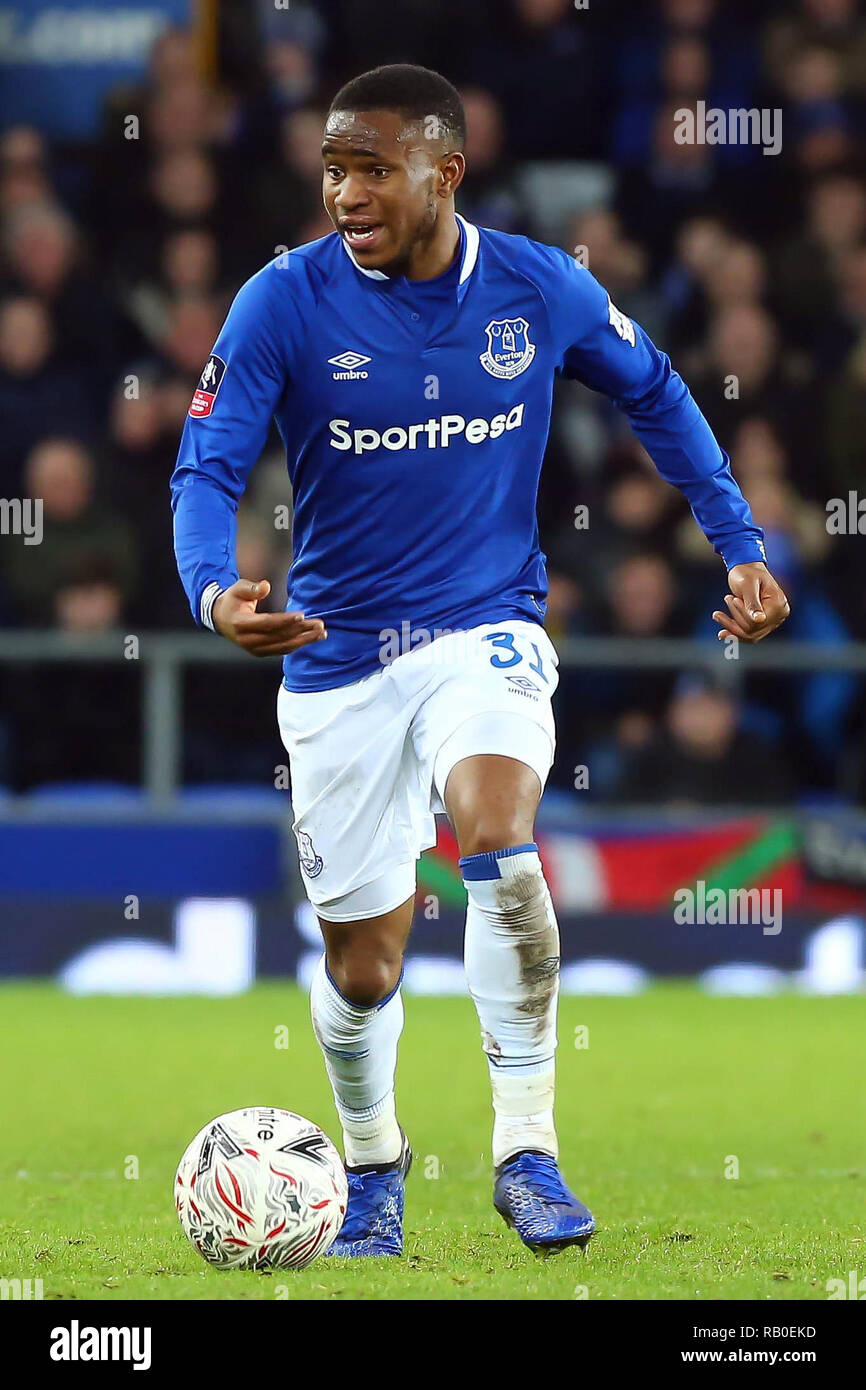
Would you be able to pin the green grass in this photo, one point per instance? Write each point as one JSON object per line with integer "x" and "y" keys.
{"x": 671, "y": 1085}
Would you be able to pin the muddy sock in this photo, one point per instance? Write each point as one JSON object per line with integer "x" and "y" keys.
{"x": 512, "y": 969}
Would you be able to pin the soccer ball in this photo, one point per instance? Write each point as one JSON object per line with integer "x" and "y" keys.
{"x": 261, "y": 1189}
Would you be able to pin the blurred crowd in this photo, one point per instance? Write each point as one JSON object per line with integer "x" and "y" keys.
{"x": 119, "y": 258}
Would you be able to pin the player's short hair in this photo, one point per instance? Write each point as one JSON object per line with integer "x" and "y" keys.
{"x": 416, "y": 93}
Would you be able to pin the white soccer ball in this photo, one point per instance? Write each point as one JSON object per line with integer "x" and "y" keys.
{"x": 261, "y": 1189}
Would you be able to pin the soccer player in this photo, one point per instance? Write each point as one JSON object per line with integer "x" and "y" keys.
{"x": 409, "y": 360}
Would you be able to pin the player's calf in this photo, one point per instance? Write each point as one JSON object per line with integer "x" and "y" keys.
{"x": 512, "y": 968}
{"x": 357, "y": 1014}
{"x": 359, "y": 1045}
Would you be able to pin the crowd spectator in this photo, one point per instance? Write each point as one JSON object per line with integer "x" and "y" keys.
{"x": 702, "y": 756}
{"x": 118, "y": 262}
{"x": 77, "y": 529}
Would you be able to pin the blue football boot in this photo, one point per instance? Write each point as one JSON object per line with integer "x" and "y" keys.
{"x": 374, "y": 1216}
{"x": 531, "y": 1196}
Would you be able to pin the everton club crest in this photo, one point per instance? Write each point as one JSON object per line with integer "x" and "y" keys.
{"x": 311, "y": 862}
{"x": 509, "y": 351}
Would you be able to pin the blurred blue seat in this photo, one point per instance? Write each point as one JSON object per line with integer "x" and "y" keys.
{"x": 559, "y": 808}
{"x": 825, "y": 800}
{"x": 231, "y": 796}
{"x": 85, "y": 791}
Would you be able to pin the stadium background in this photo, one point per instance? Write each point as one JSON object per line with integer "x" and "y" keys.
{"x": 151, "y": 158}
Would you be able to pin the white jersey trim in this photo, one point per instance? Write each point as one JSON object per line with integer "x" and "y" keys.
{"x": 209, "y": 597}
{"x": 470, "y": 254}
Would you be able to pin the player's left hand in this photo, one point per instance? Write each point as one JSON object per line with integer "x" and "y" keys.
{"x": 756, "y": 604}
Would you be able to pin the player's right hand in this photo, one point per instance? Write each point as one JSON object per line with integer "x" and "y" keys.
{"x": 262, "y": 634}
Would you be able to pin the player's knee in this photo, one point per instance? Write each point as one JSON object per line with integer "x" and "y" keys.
{"x": 365, "y": 979}
{"x": 490, "y": 831}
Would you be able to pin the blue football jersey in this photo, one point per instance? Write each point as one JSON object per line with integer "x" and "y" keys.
{"x": 415, "y": 416}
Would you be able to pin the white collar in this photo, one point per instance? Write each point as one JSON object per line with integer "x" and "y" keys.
{"x": 470, "y": 255}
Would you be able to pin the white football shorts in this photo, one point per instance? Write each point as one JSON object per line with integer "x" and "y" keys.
{"x": 369, "y": 761}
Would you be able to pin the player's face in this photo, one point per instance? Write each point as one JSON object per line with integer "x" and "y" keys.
{"x": 383, "y": 185}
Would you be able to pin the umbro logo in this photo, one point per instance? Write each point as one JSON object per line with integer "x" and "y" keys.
{"x": 349, "y": 362}
{"x": 522, "y": 683}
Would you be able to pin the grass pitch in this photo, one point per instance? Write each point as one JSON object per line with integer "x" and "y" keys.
{"x": 674, "y": 1093}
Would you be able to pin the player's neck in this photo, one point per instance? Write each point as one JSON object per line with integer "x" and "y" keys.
{"x": 436, "y": 255}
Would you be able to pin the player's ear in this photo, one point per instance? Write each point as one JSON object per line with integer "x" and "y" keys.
{"x": 452, "y": 167}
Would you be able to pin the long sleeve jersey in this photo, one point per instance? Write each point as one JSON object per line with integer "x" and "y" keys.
{"x": 415, "y": 416}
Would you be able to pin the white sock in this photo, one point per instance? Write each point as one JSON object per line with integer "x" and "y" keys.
{"x": 512, "y": 969}
{"x": 360, "y": 1050}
